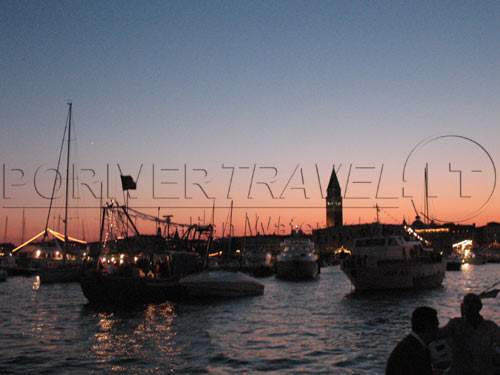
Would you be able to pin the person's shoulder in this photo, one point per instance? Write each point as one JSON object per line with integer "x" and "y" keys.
{"x": 490, "y": 324}
{"x": 407, "y": 343}
{"x": 453, "y": 323}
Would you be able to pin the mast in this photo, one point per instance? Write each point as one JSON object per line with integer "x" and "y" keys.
{"x": 5, "y": 229}
{"x": 101, "y": 211}
{"x": 67, "y": 179}
{"x": 213, "y": 213}
{"x": 230, "y": 229}
{"x": 23, "y": 227}
{"x": 427, "y": 193}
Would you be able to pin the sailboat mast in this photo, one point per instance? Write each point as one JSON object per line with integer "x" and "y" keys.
{"x": 6, "y": 225}
{"x": 230, "y": 230}
{"x": 23, "y": 227}
{"x": 67, "y": 178}
{"x": 426, "y": 197}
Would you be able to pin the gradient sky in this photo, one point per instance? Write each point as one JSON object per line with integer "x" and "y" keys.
{"x": 242, "y": 83}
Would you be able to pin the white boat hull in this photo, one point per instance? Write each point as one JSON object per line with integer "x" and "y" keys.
{"x": 396, "y": 275}
{"x": 220, "y": 284}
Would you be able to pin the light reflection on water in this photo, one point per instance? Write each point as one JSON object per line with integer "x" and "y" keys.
{"x": 313, "y": 327}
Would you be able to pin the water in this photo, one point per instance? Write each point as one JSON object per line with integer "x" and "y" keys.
{"x": 311, "y": 327}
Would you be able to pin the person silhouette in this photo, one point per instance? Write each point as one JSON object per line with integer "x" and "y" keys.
{"x": 473, "y": 339}
{"x": 411, "y": 356}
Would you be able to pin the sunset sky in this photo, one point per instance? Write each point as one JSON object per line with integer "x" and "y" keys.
{"x": 282, "y": 91}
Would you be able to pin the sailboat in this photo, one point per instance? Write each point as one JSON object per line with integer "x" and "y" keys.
{"x": 59, "y": 259}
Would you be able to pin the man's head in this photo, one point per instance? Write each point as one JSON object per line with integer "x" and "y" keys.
{"x": 425, "y": 323}
{"x": 471, "y": 306}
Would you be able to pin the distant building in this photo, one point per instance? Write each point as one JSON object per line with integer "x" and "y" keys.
{"x": 334, "y": 202}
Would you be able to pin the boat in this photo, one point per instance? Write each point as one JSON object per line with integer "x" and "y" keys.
{"x": 298, "y": 259}
{"x": 219, "y": 284}
{"x": 140, "y": 269}
{"x": 258, "y": 263}
{"x": 453, "y": 262}
{"x": 51, "y": 258}
{"x": 16, "y": 266}
{"x": 393, "y": 262}
{"x": 56, "y": 260}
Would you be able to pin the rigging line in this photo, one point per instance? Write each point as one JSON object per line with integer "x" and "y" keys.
{"x": 55, "y": 178}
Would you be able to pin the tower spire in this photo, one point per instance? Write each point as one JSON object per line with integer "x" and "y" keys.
{"x": 334, "y": 202}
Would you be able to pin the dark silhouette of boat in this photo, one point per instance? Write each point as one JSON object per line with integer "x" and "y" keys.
{"x": 145, "y": 268}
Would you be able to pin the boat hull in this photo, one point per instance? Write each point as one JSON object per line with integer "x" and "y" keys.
{"x": 396, "y": 275}
{"x": 102, "y": 289}
{"x": 220, "y": 284}
{"x": 59, "y": 275}
{"x": 258, "y": 270}
{"x": 297, "y": 269}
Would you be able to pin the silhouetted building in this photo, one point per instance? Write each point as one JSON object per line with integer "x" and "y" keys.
{"x": 333, "y": 202}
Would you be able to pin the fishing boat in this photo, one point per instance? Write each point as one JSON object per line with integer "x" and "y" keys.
{"x": 393, "y": 262}
{"x": 298, "y": 259}
{"x": 141, "y": 269}
{"x": 138, "y": 270}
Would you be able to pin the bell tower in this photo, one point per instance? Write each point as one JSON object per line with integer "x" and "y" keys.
{"x": 333, "y": 202}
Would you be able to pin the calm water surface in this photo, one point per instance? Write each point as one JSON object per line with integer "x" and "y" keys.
{"x": 313, "y": 327}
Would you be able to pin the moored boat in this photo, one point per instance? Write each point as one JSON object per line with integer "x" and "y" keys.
{"x": 144, "y": 268}
{"x": 298, "y": 259}
{"x": 257, "y": 263}
{"x": 147, "y": 277}
{"x": 393, "y": 262}
{"x": 219, "y": 284}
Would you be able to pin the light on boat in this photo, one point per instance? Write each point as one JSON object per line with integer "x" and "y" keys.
{"x": 122, "y": 256}
{"x": 113, "y": 260}
{"x": 103, "y": 259}
{"x": 38, "y": 253}
{"x": 136, "y": 259}
{"x": 121, "y": 261}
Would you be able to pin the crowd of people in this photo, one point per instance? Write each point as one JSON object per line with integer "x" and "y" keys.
{"x": 468, "y": 345}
